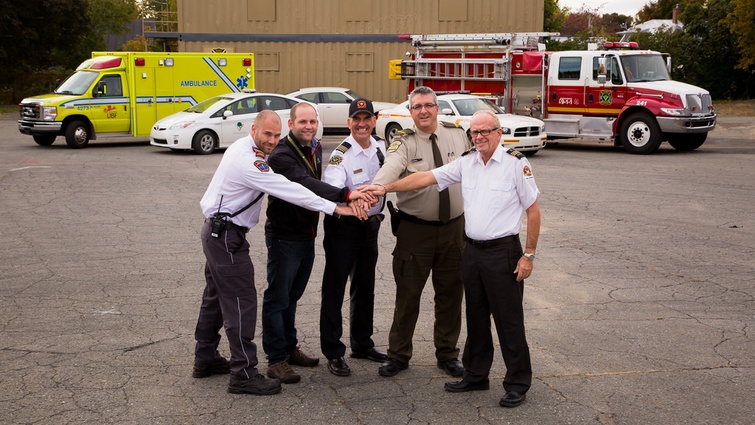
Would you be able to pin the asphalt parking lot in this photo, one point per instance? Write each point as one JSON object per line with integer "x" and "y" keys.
{"x": 641, "y": 308}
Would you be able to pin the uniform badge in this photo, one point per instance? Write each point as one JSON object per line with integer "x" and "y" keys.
{"x": 394, "y": 146}
{"x": 527, "y": 171}
{"x": 262, "y": 166}
{"x": 335, "y": 160}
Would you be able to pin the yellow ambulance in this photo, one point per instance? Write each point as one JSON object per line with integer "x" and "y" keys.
{"x": 127, "y": 92}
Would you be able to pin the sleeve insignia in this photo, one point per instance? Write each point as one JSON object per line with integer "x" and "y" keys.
{"x": 343, "y": 147}
{"x": 527, "y": 171}
{"x": 469, "y": 151}
{"x": 395, "y": 145}
{"x": 262, "y": 166}
{"x": 335, "y": 160}
{"x": 515, "y": 153}
{"x": 259, "y": 153}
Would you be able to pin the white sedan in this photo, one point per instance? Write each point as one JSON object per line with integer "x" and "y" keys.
{"x": 333, "y": 104}
{"x": 525, "y": 134}
{"x": 219, "y": 121}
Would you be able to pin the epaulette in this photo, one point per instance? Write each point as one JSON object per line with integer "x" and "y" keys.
{"x": 469, "y": 151}
{"x": 515, "y": 153}
{"x": 450, "y": 125}
{"x": 343, "y": 147}
{"x": 404, "y": 132}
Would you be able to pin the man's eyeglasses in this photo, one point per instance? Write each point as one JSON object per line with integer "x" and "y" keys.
{"x": 426, "y": 106}
{"x": 486, "y": 132}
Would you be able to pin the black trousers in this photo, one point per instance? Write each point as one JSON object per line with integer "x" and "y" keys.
{"x": 229, "y": 301}
{"x": 351, "y": 251}
{"x": 490, "y": 288}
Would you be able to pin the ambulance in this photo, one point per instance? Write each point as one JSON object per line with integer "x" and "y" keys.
{"x": 127, "y": 92}
{"x": 615, "y": 92}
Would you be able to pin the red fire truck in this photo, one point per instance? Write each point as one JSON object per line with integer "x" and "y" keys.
{"x": 617, "y": 93}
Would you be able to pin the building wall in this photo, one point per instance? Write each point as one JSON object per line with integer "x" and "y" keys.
{"x": 346, "y": 43}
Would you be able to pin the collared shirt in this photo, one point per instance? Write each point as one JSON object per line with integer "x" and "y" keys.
{"x": 242, "y": 174}
{"x": 413, "y": 153}
{"x": 495, "y": 195}
{"x": 352, "y": 166}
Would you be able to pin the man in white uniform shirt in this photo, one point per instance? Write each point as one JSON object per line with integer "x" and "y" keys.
{"x": 497, "y": 186}
{"x": 231, "y": 206}
{"x": 351, "y": 246}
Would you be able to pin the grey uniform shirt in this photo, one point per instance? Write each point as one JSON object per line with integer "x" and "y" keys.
{"x": 412, "y": 153}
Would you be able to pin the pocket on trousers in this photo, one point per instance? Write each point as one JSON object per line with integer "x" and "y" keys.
{"x": 236, "y": 280}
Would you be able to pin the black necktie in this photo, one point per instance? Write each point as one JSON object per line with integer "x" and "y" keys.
{"x": 444, "y": 206}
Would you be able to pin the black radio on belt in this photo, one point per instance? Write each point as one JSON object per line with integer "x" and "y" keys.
{"x": 218, "y": 225}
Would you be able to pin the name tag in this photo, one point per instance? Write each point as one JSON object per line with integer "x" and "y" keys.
{"x": 357, "y": 171}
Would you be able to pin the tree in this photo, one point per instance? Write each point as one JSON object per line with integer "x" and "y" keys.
{"x": 741, "y": 21}
{"x": 554, "y": 17}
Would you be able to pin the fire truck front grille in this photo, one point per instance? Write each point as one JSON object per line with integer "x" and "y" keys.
{"x": 29, "y": 111}
{"x": 527, "y": 131}
{"x": 699, "y": 104}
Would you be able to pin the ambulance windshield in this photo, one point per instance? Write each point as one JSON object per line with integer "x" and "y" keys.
{"x": 78, "y": 83}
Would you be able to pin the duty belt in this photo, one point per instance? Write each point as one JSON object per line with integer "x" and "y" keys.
{"x": 492, "y": 243}
{"x": 229, "y": 224}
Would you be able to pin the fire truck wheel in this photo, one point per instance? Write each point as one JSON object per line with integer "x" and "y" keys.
{"x": 77, "y": 135}
{"x": 687, "y": 142}
{"x": 44, "y": 140}
{"x": 640, "y": 134}
{"x": 204, "y": 142}
{"x": 390, "y": 131}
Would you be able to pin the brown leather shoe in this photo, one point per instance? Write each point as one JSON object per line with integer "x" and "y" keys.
{"x": 283, "y": 372}
{"x": 298, "y": 358}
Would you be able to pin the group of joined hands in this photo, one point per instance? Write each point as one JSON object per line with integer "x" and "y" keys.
{"x": 362, "y": 199}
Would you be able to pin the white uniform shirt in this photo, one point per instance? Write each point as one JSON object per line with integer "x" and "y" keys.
{"x": 495, "y": 195}
{"x": 242, "y": 174}
{"x": 354, "y": 166}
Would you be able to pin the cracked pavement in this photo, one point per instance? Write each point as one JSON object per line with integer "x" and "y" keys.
{"x": 640, "y": 309}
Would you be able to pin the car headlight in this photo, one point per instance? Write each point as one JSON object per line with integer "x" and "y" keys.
{"x": 542, "y": 129}
{"x": 506, "y": 130}
{"x": 49, "y": 113}
{"x": 673, "y": 111}
{"x": 180, "y": 125}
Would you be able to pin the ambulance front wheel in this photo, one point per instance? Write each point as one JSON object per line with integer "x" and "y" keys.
{"x": 640, "y": 134}
{"x": 204, "y": 142}
{"x": 77, "y": 135}
{"x": 44, "y": 140}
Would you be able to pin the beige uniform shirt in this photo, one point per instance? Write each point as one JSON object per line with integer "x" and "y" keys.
{"x": 411, "y": 153}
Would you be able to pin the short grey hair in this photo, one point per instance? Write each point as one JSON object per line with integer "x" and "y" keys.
{"x": 488, "y": 112}
{"x": 423, "y": 90}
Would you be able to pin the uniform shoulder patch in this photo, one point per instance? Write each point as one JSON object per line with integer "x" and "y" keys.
{"x": 449, "y": 124}
{"x": 343, "y": 147}
{"x": 335, "y": 159}
{"x": 405, "y": 132}
{"x": 262, "y": 166}
{"x": 515, "y": 153}
{"x": 469, "y": 151}
{"x": 527, "y": 171}
{"x": 258, "y": 152}
{"x": 395, "y": 145}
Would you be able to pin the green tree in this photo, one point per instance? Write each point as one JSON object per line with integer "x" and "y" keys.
{"x": 741, "y": 21}
{"x": 554, "y": 16}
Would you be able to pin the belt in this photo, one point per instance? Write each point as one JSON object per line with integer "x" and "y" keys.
{"x": 357, "y": 222}
{"x": 416, "y": 220}
{"x": 229, "y": 224}
{"x": 492, "y": 243}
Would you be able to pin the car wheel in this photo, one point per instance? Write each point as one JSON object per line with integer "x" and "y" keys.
{"x": 390, "y": 131}
{"x": 640, "y": 134}
{"x": 204, "y": 142}
{"x": 77, "y": 135}
{"x": 44, "y": 140}
{"x": 687, "y": 142}
{"x": 530, "y": 153}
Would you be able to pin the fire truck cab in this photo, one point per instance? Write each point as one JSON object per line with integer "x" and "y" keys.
{"x": 619, "y": 93}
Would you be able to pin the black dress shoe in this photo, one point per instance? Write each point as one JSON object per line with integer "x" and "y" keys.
{"x": 371, "y": 354}
{"x": 218, "y": 366}
{"x": 339, "y": 367}
{"x": 512, "y": 399}
{"x": 452, "y": 367}
{"x": 392, "y": 367}
{"x": 464, "y": 386}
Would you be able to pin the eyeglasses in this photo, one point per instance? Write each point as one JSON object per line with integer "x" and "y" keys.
{"x": 486, "y": 132}
{"x": 426, "y": 106}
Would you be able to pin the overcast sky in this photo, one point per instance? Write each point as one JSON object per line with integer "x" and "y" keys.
{"x": 622, "y": 7}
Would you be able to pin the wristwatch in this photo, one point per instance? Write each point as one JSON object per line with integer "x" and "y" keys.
{"x": 530, "y": 257}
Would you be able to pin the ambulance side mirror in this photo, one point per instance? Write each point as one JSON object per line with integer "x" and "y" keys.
{"x": 602, "y": 71}
{"x": 227, "y": 113}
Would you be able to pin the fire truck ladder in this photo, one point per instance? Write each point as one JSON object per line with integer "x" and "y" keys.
{"x": 467, "y": 65}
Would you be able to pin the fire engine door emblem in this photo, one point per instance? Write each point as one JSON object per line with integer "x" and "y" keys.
{"x": 606, "y": 97}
